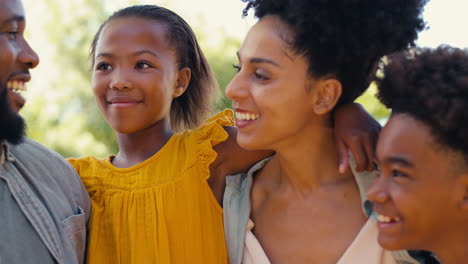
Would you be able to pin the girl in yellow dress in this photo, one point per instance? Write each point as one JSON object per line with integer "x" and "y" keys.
{"x": 158, "y": 199}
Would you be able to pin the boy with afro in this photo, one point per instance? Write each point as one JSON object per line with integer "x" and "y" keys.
{"x": 420, "y": 195}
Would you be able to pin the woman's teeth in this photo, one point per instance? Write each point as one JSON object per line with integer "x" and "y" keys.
{"x": 16, "y": 86}
{"x": 387, "y": 219}
{"x": 246, "y": 116}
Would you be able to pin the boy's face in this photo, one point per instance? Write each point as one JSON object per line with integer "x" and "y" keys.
{"x": 417, "y": 194}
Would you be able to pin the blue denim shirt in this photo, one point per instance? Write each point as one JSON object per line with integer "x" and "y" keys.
{"x": 51, "y": 195}
{"x": 236, "y": 208}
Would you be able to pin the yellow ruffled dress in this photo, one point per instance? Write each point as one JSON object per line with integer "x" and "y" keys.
{"x": 161, "y": 210}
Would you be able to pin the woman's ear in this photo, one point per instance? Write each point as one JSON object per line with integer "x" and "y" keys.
{"x": 182, "y": 82}
{"x": 328, "y": 92}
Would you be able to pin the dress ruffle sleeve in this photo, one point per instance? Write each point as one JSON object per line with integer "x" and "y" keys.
{"x": 208, "y": 135}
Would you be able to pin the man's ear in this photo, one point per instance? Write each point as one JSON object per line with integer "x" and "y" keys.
{"x": 182, "y": 82}
{"x": 328, "y": 92}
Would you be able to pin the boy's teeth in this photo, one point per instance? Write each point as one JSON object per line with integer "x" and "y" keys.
{"x": 247, "y": 116}
{"x": 387, "y": 219}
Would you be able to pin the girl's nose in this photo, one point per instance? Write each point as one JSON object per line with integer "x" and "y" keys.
{"x": 120, "y": 80}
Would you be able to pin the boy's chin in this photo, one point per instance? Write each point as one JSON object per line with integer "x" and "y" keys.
{"x": 394, "y": 243}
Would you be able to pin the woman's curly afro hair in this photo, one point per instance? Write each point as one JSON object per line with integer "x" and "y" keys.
{"x": 346, "y": 38}
{"x": 430, "y": 85}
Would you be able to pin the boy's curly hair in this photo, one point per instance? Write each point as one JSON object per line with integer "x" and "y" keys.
{"x": 346, "y": 38}
{"x": 430, "y": 85}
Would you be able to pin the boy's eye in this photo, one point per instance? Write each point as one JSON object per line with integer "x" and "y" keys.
{"x": 103, "y": 67}
{"x": 397, "y": 173}
{"x": 142, "y": 65}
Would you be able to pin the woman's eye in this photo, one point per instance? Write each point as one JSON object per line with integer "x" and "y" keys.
{"x": 237, "y": 68}
{"x": 260, "y": 76}
{"x": 103, "y": 67}
{"x": 142, "y": 65}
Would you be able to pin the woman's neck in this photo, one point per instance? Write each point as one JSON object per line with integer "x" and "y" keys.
{"x": 308, "y": 161}
{"x": 139, "y": 146}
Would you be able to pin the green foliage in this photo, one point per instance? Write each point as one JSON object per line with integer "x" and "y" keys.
{"x": 373, "y": 105}
{"x": 61, "y": 112}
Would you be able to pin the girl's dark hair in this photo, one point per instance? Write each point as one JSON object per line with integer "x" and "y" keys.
{"x": 191, "y": 108}
{"x": 345, "y": 39}
{"x": 430, "y": 85}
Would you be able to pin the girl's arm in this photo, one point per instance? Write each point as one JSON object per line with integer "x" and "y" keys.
{"x": 355, "y": 130}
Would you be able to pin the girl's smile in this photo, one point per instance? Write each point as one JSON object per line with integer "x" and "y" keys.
{"x": 135, "y": 75}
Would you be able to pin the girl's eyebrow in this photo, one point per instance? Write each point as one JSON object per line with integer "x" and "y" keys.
{"x": 145, "y": 51}
{"x": 136, "y": 53}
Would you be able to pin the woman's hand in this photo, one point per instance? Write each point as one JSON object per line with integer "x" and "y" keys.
{"x": 356, "y": 131}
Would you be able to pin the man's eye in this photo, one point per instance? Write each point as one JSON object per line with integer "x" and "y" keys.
{"x": 12, "y": 35}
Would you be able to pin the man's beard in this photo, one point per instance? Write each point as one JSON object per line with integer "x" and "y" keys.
{"x": 12, "y": 126}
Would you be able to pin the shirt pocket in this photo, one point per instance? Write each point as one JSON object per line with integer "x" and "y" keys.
{"x": 75, "y": 231}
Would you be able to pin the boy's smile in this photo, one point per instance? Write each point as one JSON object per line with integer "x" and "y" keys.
{"x": 414, "y": 194}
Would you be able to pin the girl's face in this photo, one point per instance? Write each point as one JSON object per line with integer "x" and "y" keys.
{"x": 416, "y": 194}
{"x": 135, "y": 74}
{"x": 271, "y": 92}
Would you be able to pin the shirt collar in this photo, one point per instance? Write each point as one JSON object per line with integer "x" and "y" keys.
{"x": 5, "y": 155}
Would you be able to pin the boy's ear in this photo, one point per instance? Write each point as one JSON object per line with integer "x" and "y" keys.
{"x": 328, "y": 92}
{"x": 463, "y": 197}
{"x": 182, "y": 82}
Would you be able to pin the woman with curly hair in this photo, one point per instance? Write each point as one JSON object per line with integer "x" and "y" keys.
{"x": 297, "y": 64}
{"x": 421, "y": 192}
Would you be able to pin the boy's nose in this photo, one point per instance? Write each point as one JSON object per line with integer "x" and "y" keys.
{"x": 377, "y": 192}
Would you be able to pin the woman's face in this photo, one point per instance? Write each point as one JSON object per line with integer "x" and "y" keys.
{"x": 271, "y": 93}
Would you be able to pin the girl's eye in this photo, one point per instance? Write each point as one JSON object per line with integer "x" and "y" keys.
{"x": 142, "y": 65}
{"x": 237, "y": 68}
{"x": 103, "y": 67}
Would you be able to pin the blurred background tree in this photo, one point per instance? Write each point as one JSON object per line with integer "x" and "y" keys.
{"x": 61, "y": 111}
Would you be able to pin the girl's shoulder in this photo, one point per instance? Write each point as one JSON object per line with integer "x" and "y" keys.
{"x": 87, "y": 163}
{"x": 212, "y": 131}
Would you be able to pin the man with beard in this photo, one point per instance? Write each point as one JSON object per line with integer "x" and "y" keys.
{"x": 44, "y": 207}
